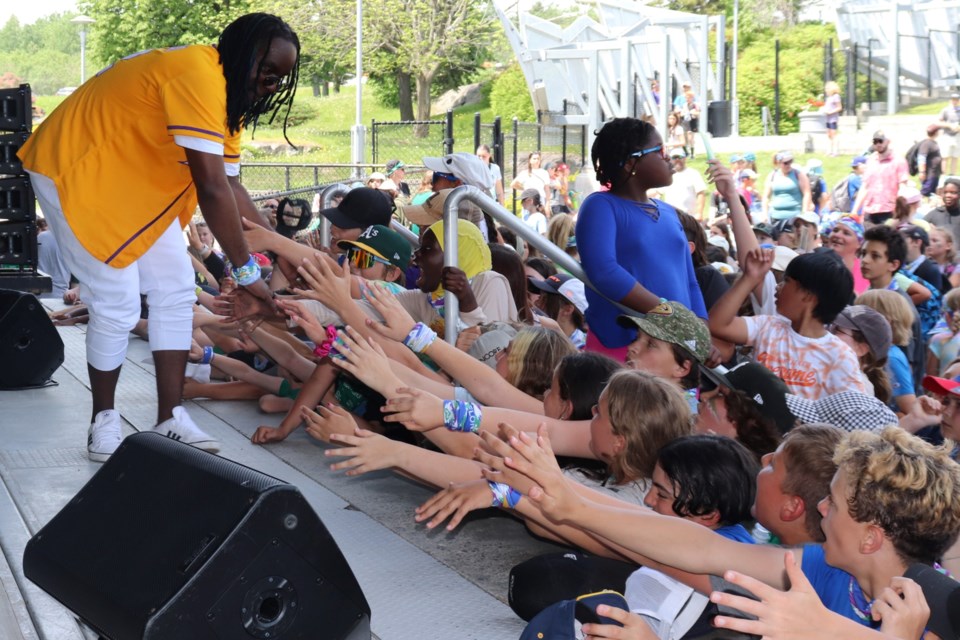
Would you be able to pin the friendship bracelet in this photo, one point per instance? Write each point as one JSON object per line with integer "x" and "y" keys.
{"x": 248, "y": 273}
{"x": 462, "y": 416}
{"x": 504, "y": 495}
{"x": 207, "y": 355}
{"x": 420, "y": 338}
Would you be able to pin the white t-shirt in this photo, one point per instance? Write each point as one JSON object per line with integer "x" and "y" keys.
{"x": 682, "y": 193}
{"x": 811, "y": 367}
{"x": 536, "y": 221}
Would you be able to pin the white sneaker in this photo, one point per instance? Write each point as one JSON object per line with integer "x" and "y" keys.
{"x": 183, "y": 429}
{"x": 104, "y": 435}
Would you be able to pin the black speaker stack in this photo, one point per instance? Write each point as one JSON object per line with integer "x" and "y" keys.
{"x": 167, "y": 542}
{"x": 18, "y": 211}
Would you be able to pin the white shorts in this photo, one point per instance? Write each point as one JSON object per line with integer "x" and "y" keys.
{"x": 164, "y": 274}
{"x": 950, "y": 146}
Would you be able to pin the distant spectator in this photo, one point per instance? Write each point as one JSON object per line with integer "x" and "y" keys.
{"x": 832, "y": 108}
{"x": 787, "y": 190}
{"x": 930, "y": 162}
{"x": 947, "y": 215}
{"x": 884, "y": 173}
{"x": 687, "y": 191}
{"x": 397, "y": 171}
{"x": 496, "y": 191}
{"x": 950, "y": 123}
{"x": 533, "y": 177}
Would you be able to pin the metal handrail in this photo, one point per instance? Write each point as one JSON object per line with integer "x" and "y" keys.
{"x": 340, "y": 189}
{"x": 512, "y": 222}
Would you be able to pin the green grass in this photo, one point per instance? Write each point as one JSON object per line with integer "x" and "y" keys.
{"x": 932, "y": 108}
{"x": 326, "y": 137}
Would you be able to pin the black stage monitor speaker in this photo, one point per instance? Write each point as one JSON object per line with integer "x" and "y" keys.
{"x": 30, "y": 347}
{"x": 167, "y": 542}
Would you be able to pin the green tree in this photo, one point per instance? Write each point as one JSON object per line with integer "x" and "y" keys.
{"x": 45, "y": 54}
{"x": 510, "y": 97}
{"x": 126, "y": 26}
{"x": 429, "y": 39}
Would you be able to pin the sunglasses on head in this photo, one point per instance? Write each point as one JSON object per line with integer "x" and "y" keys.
{"x": 446, "y": 176}
{"x": 363, "y": 259}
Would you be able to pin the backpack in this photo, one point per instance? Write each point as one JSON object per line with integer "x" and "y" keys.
{"x": 840, "y": 196}
{"x": 911, "y": 157}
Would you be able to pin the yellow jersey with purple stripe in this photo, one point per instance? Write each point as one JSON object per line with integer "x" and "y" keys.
{"x": 115, "y": 148}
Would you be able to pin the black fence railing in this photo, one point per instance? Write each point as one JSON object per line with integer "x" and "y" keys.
{"x": 511, "y": 143}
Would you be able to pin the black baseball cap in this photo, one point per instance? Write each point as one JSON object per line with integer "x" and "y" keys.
{"x": 361, "y": 208}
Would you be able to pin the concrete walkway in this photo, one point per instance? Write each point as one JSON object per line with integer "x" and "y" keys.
{"x": 419, "y": 585}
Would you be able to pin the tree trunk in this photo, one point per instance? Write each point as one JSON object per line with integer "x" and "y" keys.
{"x": 423, "y": 104}
{"x": 405, "y": 96}
{"x": 336, "y": 85}
{"x": 325, "y": 88}
{"x": 315, "y": 85}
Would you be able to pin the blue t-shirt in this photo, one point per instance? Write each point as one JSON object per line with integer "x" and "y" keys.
{"x": 737, "y": 533}
{"x": 837, "y": 589}
{"x": 900, "y": 374}
{"x": 621, "y": 244}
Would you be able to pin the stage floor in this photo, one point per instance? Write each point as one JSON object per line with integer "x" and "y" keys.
{"x": 419, "y": 584}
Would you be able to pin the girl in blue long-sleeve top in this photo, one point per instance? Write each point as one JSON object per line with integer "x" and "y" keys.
{"x": 632, "y": 248}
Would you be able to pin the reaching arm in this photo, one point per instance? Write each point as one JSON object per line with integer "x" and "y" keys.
{"x": 672, "y": 541}
{"x": 724, "y": 321}
{"x": 807, "y": 199}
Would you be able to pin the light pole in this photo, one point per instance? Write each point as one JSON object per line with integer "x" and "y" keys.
{"x": 357, "y": 131}
{"x": 83, "y": 21}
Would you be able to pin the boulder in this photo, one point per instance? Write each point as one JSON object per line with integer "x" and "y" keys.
{"x": 467, "y": 94}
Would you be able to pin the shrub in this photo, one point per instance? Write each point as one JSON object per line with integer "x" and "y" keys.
{"x": 801, "y": 75}
{"x": 510, "y": 96}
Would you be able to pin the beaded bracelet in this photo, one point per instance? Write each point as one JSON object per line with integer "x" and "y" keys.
{"x": 248, "y": 273}
{"x": 207, "y": 355}
{"x": 462, "y": 416}
{"x": 420, "y": 338}
{"x": 504, "y": 495}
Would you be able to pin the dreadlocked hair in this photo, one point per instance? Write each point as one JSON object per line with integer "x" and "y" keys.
{"x": 614, "y": 143}
{"x": 239, "y": 45}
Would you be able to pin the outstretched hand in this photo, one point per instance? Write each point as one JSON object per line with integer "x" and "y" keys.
{"x": 533, "y": 458}
{"x": 365, "y": 451}
{"x": 327, "y": 282}
{"x": 757, "y": 263}
{"x": 327, "y": 420}
{"x": 397, "y": 322}
{"x": 304, "y": 319}
{"x": 417, "y": 410}
{"x": 455, "y": 502}
{"x": 367, "y": 362}
{"x": 723, "y": 180}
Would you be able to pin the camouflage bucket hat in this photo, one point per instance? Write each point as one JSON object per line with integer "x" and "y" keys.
{"x": 674, "y": 323}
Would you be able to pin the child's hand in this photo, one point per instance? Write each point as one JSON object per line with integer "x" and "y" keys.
{"x": 455, "y": 502}
{"x": 397, "y": 323}
{"x": 757, "y": 263}
{"x": 417, "y": 410}
{"x": 723, "y": 180}
{"x": 327, "y": 420}
{"x": 365, "y": 451}
{"x": 266, "y": 435}
{"x": 367, "y": 362}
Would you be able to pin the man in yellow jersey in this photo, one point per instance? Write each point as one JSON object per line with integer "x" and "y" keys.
{"x": 119, "y": 168}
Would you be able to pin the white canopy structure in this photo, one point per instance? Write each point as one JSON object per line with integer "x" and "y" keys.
{"x": 591, "y": 71}
{"x": 917, "y": 43}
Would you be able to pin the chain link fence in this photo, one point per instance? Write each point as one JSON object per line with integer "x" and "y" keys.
{"x": 417, "y": 139}
{"x": 411, "y": 139}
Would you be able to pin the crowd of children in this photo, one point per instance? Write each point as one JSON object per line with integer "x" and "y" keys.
{"x": 720, "y": 391}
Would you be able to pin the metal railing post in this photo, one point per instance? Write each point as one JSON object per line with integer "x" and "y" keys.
{"x": 476, "y": 130}
{"x": 448, "y": 134}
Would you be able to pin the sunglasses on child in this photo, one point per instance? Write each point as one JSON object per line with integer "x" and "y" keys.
{"x": 363, "y": 259}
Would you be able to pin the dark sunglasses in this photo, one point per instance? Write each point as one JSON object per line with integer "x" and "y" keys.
{"x": 879, "y": 140}
{"x": 363, "y": 259}
{"x": 446, "y": 176}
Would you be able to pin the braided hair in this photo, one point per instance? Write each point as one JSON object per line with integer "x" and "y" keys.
{"x": 614, "y": 143}
{"x": 239, "y": 45}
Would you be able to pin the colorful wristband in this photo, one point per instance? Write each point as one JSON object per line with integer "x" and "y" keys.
{"x": 420, "y": 338}
{"x": 248, "y": 273}
{"x": 462, "y": 416}
{"x": 504, "y": 495}
{"x": 207, "y": 355}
